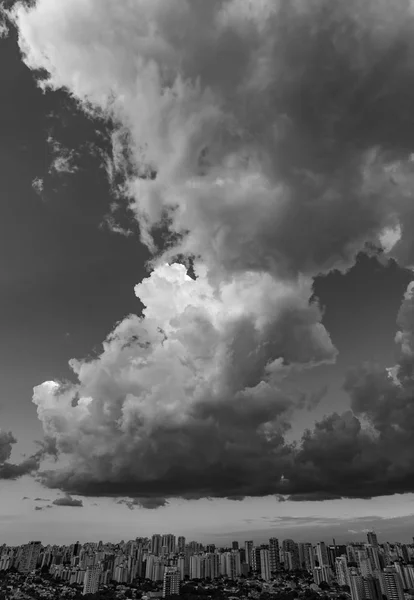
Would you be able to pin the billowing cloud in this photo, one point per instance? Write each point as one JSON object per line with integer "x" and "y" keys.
{"x": 187, "y": 399}
{"x": 269, "y": 141}
{"x": 257, "y": 119}
{"x": 67, "y": 501}
{"x": 10, "y": 470}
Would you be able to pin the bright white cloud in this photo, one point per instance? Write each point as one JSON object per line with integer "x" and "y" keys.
{"x": 194, "y": 367}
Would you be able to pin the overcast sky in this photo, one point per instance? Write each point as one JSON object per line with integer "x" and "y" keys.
{"x": 266, "y": 150}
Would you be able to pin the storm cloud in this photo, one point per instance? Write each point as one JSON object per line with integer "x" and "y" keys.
{"x": 271, "y": 142}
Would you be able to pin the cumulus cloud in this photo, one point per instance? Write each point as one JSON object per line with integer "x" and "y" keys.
{"x": 187, "y": 399}
{"x": 253, "y": 135}
{"x": 269, "y": 141}
{"x": 67, "y": 501}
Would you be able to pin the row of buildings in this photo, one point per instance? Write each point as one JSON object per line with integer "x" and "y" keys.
{"x": 370, "y": 570}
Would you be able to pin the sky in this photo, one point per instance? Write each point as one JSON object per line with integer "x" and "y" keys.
{"x": 206, "y": 248}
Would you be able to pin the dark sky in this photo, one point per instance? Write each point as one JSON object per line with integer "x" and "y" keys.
{"x": 64, "y": 279}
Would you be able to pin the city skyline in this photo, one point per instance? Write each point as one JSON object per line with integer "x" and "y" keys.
{"x": 366, "y": 570}
{"x": 176, "y": 543}
{"x": 206, "y": 268}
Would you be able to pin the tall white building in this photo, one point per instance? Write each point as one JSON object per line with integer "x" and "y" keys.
{"x": 158, "y": 570}
{"x": 265, "y": 570}
{"x": 364, "y": 563}
{"x": 168, "y": 541}
{"x": 232, "y": 564}
{"x": 181, "y": 567}
{"x": 341, "y": 568}
{"x": 91, "y": 580}
{"x": 322, "y": 554}
{"x": 149, "y": 566}
{"x": 195, "y": 567}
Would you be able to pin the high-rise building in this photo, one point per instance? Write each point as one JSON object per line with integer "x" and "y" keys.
{"x": 371, "y": 588}
{"x": 156, "y": 544}
{"x": 171, "y": 583}
{"x": 265, "y": 569}
{"x": 372, "y": 539}
{"x": 233, "y": 566}
{"x": 30, "y": 555}
{"x": 195, "y": 567}
{"x": 373, "y": 557}
{"x": 393, "y": 584}
{"x": 235, "y": 545}
{"x": 322, "y": 554}
{"x": 327, "y": 574}
{"x": 181, "y": 544}
{"x": 309, "y": 557}
{"x": 214, "y": 560}
{"x": 317, "y": 575}
{"x": 256, "y": 565}
{"x": 249, "y": 552}
{"x": 399, "y": 569}
{"x": 356, "y": 584}
{"x": 168, "y": 541}
{"x": 363, "y": 562}
{"x": 409, "y": 575}
{"x": 158, "y": 570}
{"x": 341, "y": 569}
{"x": 181, "y": 567}
{"x": 149, "y": 566}
{"x": 274, "y": 555}
{"x": 91, "y": 580}
{"x": 291, "y": 555}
